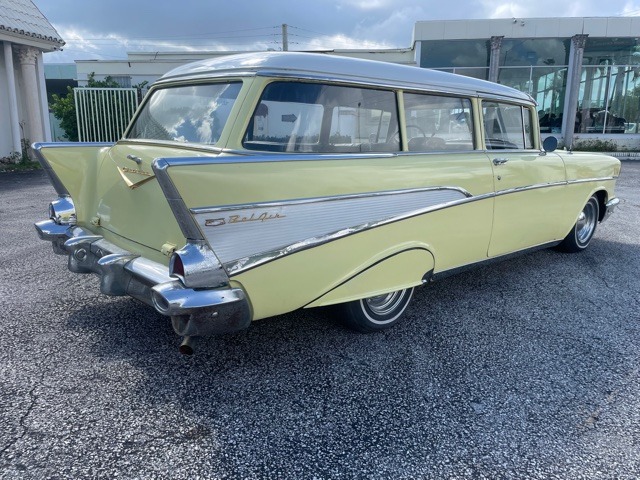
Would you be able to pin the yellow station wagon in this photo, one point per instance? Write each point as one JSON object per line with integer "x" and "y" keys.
{"x": 253, "y": 185}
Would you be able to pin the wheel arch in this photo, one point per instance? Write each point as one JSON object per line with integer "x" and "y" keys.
{"x": 602, "y": 197}
{"x": 405, "y": 268}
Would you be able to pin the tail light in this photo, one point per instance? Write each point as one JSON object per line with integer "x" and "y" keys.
{"x": 196, "y": 266}
{"x": 63, "y": 211}
{"x": 176, "y": 267}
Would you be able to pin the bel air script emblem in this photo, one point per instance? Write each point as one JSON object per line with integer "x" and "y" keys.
{"x": 263, "y": 217}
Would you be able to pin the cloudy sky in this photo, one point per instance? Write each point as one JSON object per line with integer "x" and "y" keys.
{"x": 109, "y": 29}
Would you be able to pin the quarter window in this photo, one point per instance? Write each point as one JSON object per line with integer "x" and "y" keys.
{"x": 188, "y": 114}
{"x": 507, "y": 126}
{"x": 437, "y": 123}
{"x": 314, "y": 117}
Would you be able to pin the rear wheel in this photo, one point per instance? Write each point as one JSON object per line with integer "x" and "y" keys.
{"x": 376, "y": 313}
{"x": 582, "y": 232}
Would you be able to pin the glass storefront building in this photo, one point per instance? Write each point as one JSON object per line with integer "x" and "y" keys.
{"x": 584, "y": 73}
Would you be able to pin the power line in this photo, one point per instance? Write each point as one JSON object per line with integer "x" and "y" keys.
{"x": 208, "y": 35}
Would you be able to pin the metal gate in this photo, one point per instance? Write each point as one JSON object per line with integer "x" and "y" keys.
{"x": 104, "y": 113}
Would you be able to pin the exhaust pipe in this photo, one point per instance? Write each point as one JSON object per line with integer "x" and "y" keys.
{"x": 186, "y": 347}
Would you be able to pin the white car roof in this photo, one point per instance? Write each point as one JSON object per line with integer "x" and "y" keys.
{"x": 318, "y": 66}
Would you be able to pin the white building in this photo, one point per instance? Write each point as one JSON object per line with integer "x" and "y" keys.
{"x": 584, "y": 72}
{"x": 25, "y": 35}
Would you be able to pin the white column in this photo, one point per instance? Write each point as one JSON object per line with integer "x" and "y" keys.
{"x": 27, "y": 57}
{"x": 44, "y": 103}
{"x": 13, "y": 98}
{"x": 574, "y": 74}
{"x": 494, "y": 59}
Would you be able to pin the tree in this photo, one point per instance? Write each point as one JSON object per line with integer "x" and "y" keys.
{"x": 64, "y": 107}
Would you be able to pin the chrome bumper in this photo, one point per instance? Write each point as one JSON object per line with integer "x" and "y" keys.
{"x": 610, "y": 207}
{"x": 193, "y": 312}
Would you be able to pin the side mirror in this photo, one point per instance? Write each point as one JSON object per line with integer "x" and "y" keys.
{"x": 550, "y": 144}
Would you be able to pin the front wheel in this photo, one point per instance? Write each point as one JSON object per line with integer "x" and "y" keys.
{"x": 376, "y": 313}
{"x": 582, "y": 232}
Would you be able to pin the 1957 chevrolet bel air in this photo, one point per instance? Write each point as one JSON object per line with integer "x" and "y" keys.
{"x": 257, "y": 184}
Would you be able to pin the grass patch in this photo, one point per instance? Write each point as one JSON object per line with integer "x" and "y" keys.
{"x": 21, "y": 166}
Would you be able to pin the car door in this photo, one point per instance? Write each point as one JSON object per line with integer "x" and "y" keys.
{"x": 529, "y": 184}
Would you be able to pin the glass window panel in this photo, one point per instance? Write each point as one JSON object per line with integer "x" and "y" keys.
{"x": 609, "y": 99}
{"x": 190, "y": 114}
{"x": 504, "y": 126}
{"x": 313, "y": 117}
{"x": 608, "y": 51}
{"x": 547, "y": 85}
{"x": 454, "y": 53}
{"x": 539, "y": 51}
{"x": 435, "y": 123}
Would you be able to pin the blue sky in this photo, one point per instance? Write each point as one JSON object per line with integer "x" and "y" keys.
{"x": 107, "y": 30}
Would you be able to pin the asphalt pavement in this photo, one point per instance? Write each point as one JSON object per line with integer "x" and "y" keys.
{"x": 529, "y": 369}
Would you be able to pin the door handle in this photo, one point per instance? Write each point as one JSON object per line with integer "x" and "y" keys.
{"x": 500, "y": 161}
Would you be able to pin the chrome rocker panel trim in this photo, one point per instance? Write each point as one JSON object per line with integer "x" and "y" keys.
{"x": 194, "y": 312}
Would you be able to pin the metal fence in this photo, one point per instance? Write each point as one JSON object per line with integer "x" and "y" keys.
{"x": 104, "y": 113}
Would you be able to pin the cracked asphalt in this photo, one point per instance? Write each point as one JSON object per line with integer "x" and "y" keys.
{"x": 529, "y": 369}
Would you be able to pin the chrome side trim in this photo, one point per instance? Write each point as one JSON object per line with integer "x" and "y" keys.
{"x": 587, "y": 180}
{"x": 247, "y": 263}
{"x": 537, "y": 186}
{"x": 552, "y": 184}
{"x": 238, "y": 232}
{"x": 186, "y": 222}
{"x": 235, "y": 267}
{"x": 304, "y": 201}
{"x": 245, "y": 157}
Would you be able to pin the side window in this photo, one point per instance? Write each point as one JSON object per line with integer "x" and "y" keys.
{"x": 507, "y": 126}
{"x": 314, "y": 117}
{"x": 437, "y": 123}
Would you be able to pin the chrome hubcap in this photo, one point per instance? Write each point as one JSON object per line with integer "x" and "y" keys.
{"x": 385, "y": 304}
{"x": 586, "y": 223}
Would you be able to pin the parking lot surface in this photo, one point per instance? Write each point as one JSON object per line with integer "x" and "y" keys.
{"x": 525, "y": 369}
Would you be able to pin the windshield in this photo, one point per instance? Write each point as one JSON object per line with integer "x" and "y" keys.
{"x": 189, "y": 114}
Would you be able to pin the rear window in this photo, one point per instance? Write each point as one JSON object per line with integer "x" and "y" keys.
{"x": 314, "y": 117}
{"x": 188, "y": 114}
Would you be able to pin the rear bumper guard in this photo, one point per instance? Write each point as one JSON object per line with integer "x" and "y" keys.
{"x": 194, "y": 312}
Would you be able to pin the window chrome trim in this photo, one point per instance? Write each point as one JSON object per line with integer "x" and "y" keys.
{"x": 266, "y": 157}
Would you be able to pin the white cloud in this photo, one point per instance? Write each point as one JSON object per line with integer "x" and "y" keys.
{"x": 340, "y": 41}
{"x": 368, "y": 4}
